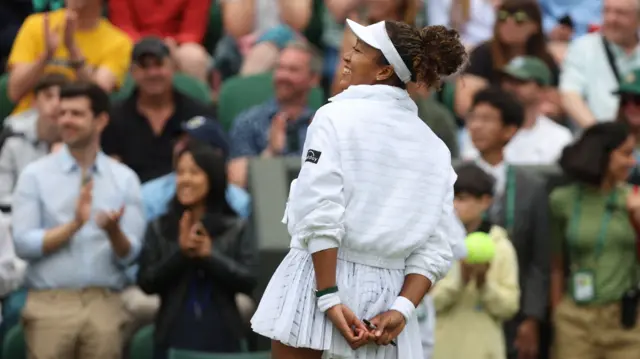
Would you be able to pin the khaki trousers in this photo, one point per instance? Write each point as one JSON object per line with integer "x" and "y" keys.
{"x": 593, "y": 332}
{"x": 74, "y": 324}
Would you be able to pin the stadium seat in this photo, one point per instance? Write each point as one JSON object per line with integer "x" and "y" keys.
{"x": 6, "y": 106}
{"x": 14, "y": 346}
{"x": 187, "y": 85}
{"x": 141, "y": 346}
{"x": 183, "y": 354}
{"x": 242, "y": 92}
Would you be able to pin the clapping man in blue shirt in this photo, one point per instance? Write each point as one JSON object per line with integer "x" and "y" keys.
{"x": 78, "y": 221}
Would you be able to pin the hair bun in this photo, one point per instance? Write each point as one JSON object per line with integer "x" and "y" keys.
{"x": 442, "y": 54}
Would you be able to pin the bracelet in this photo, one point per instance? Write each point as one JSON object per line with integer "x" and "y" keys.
{"x": 330, "y": 290}
{"x": 328, "y": 301}
{"x": 404, "y": 306}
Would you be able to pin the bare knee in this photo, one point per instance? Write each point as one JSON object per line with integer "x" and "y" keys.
{"x": 193, "y": 60}
{"x": 281, "y": 351}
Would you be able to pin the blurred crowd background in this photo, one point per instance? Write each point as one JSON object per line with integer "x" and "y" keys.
{"x": 204, "y": 105}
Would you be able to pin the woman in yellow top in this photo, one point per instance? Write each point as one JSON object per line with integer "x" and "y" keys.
{"x": 473, "y": 300}
{"x": 594, "y": 267}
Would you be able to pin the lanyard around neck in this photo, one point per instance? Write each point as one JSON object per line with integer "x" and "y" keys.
{"x": 510, "y": 192}
{"x": 604, "y": 224}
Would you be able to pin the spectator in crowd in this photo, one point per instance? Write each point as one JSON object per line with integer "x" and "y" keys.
{"x": 366, "y": 12}
{"x": 520, "y": 206}
{"x": 11, "y": 267}
{"x": 197, "y": 279}
{"x": 259, "y": 29}
{"x": 279, "y": 126}
{"x": 78, "y": 221}
{"x": 180, "y": 23}
{"x": 582, "y": 15}
{"x": 145, "y": 125}
{"x": 75, "y": 41}
{"x": 594, "y": 248}
{"x": 474, "y": 299}
{"x": 629, "y": 113}
{"x": 474, "y": 19}
{"x": 33, "y": 134}
{"x": 595, "y": 62}
{"x": 157, "y": 193}
{"x": 540, "y": 140}
{"x": 517, "y": 32}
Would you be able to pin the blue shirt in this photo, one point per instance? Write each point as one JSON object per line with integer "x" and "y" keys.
{"x": 46, "y": 196}
{"x": 582, "y": 12}
{"x": 250, "y": 131}
{"x": 157, "y": 193}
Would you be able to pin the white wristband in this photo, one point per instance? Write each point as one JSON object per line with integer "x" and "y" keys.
{"x": 405, "y": 307}
{"x": 328, "y": 301}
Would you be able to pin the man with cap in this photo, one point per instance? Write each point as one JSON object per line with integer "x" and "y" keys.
{"x": 157, "y": 193}
{"x": 540, "y": 140}
{"x": 144, "y": 125}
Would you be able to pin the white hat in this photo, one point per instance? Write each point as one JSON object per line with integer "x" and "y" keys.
{"x": 376, "y": 36}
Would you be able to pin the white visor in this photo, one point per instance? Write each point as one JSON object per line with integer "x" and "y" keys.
{"x": 376, "y": 36}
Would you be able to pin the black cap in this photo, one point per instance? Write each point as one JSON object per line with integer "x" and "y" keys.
{"x": 150, "y": 45}
{"x": 208, "y": 131}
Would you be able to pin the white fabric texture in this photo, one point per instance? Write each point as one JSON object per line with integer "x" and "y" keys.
{"x": 376, "y": 36}
{"x": 376, "y": 183}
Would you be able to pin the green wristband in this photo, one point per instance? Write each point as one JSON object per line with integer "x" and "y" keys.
{"x": 330, "y": 290}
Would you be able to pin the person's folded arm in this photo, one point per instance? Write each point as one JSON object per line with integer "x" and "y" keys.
{"x": 31, "y": 240}
{"x": 317, "y": 203}
{"x": 120, "y": 15}
{"x": 239, "y": 273}
{"x": 193, "y": 25}
{"x": 573, "y": 83}
{"x": 161, "y": 261}
{"x": 500, "y": 294}
{"x": 132, "y": 224}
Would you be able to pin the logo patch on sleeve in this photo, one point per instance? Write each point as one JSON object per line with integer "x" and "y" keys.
{"x": 313, "y": 156}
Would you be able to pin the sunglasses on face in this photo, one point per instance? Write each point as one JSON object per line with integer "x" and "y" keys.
{"x": 630, "y": 99}
{"x": 519, "y": 16}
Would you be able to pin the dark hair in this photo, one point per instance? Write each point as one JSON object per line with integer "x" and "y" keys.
{"x": 431, "y": 53}
{"x": 473, "y": 180}
{"x": 50, "y": 80}
{"x": 96, "y": 95}
{"x": 536, "y": 45}
{"x": 217, "y": 207}
{"x": 511, "y": 110}
{"x": 587, "y": 159}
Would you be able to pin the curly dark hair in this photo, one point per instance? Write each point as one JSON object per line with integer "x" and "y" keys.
{"x": 430, "y": 53}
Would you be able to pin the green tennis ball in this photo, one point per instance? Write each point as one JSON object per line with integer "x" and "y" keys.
{"x": 480, "y": 248}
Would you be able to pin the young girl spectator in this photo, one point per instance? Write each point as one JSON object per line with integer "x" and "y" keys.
{"x": 594, "y": 251}
{"x": 517, "y": 32}
{"x": 196, "y": 258}
{"x": 473, "y": 300}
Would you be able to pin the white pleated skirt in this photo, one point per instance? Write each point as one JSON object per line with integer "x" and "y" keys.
{"x": 288, "y": 312}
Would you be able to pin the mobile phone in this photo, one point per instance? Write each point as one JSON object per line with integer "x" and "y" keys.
{"x": 373, "y": 327}
{"x": 629, "y": 309}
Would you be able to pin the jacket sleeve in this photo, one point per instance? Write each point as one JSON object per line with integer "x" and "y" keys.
{"x": 433, "y": 259}
{"x": 448, "y": 291}
{"x": 160, "y": 262}
{"x": 317, "y": 202}
{"x": 500, "y": 294}
{"x": 239, "y": 273}
{"x": 536, "y": 282}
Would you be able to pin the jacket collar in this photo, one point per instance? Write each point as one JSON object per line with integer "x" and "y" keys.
{"x": 380, "y": 93}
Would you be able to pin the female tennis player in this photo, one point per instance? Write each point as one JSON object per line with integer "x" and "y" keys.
{"x": 370, "y": 211}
